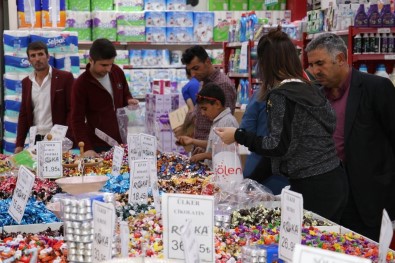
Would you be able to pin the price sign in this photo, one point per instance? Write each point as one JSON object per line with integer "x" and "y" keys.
{"x": 134, "y": 148}
{"x": 154, "y": 185}
{"x": 139, "y": 181}
{"x": 124, "y": 232}
{"x": 305, "y": 254}
{"x": 191, "y": 248}
{"x": 148, "y": 146}
{"x": 103, "y": 136}
{"x": 49, "y": 159}
{"x": 117, "y": 160}
{"x": 32, "y": 136}
{"x": 177, "y": 210}
{"x": 291, "y": 223}
{"x": 21, "y": 194}
{"x": 386, "y": 233}
{"x": 103, "y": 229}
{"x": 58, "y": 132}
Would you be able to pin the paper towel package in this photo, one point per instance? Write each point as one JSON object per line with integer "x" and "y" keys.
{"x": 122, "y": 57}
{"x": 130, "y": 18}
{"x": 29, "y": 13}
{"x": 16, "y": 41}
{"x": 104, "y": 25}
{"x": 150, "y": 57}
{"x": 222, "y": 20}
{"x": 238, "y": 5}
{"x": 80, "y": 22}
{"x": 102, "y": 5}
{"x": 16, "y": 63}
{"x": 130, "y": 33}
{"x": 140, "y": 75}
{"x": 129, "y": 5}
{"x": 79, "y": 5}
{"x": 68, "y": 62}
{"x": 175, "y": 57}
{"x": 155, "y": 34}
{"x": 155, "y": 5}
{"x": 179, "y": 19}
{"x": 256, "y": 5}
{"x": 163, "y": 57}
{"x": 53, "y": 14}
{"x": 179, "y": 34}
{"x": 57, "y": 41}
{"x": 218, "y": 5}
{"x": 176, "y": 5}
{"x": 155, "y": 19}
{"x": 139, "y": 89}
{"x": 135, "y": 57}
{"x": 203, "y": 24}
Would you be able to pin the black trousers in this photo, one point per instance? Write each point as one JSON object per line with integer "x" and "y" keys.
{"x": 39, "y": 138}
{"x": 325, "y": 194}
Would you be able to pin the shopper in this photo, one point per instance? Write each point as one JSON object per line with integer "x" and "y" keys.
{"x": 364, "y": 135}
{"x": 255, "y": 120}
{"x": 211, "y": 101}
{"x": 198, "y": 62}
{"x": 96, "y": 96}
{"x": 45, "y": 96}
{"x": 300, "y": 122}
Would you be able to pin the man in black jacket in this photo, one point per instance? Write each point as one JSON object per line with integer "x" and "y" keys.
{"x": 364, "y": 135}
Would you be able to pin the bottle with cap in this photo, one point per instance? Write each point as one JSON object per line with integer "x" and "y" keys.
{"x": 363, "y": 68}
{"x": 374, "y": 18}
{"x": 381, "y": 71}
{"x": 387, "y": 17}
{"x": 361, "y": 18}
{"x": 357, "y": 48}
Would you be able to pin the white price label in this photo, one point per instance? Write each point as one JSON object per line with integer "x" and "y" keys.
{"x": 103, "y": 229}
{"x": 243, "y": 56}
{"x": 305, "y": 254}
{"x": 58, "y": 132}
{"x": 386, "y": 233}
{"x": 291, "y": 223}
{"x": 139, "y": 181}
{"x": 21, "y": 194}
{"x": 49, "y": 159}
{"x": 154, "y": 185}
{"x": 134, "y": 147}
{"x": 124, "y": 231}
{"x": 32, "y": 136}
{"x": 148, "y": 145}
{"x": 178, "y": 209}
{"x": 384, "y": 30}
{"x": 389, "y": 57}
{"x": 117, "y": 159}
{"x": 191, "y": 247}
{"x": 103, "y": 136}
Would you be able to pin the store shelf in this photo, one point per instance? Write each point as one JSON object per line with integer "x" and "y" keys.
{"x": 256, "y": 81}
{"x": 338, "y": 32}
{"x": 117, "y": 43}
{"x": 361, "y": 30}
{"x": 357, "y": 57}
{"x": 234, "y": 44}
{"x": 238, "y": 75}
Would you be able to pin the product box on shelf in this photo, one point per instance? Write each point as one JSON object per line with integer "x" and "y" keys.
{"x": 135, "y": 57}
{"x": 130, "y": 18}
{"x": 80, "y": 22}
{"x": 155, "y": 19}
{"x": 238, "y": 5}
{"x": 218, "y": 5}
{"x": 79, "y": 5}
{"x": 122, "y": 57}
{"x": 179, "y": 34}
{"x": 129, "y": 5}
{"x": 222, "y": 20}
{"x": 176, "y": 5}
{"x": 150, "y": 57}
{"x": 130, "y": 33}
{"x": 29, "y": 13}
{"x": 102, "y": 5}
{"x": 67, "y": 62}
{"x": 104, "y": 25}
{"x": 256, "y": 5}
{"x": 16, "y": 41}
{"x": 179, "y": 19}
{"x": 203, "y": 24}
{"x": 57, "y": 41}
{"x": 53, "y": 13}
{"x": 315, "y": 21}
{"x": 155, "y": 5}
{"x": 155, "y": 34}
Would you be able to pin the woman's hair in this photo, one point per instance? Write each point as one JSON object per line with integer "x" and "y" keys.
{"x": 210, "y": 93}
{"x": 102, "y": 49}
{"x": 277, "y": 60}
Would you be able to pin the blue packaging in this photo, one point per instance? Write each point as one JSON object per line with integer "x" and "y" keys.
{"x": 135, "y": 57}
{"x": 243, "y": 28}
{"x": 16, "y": 41}
{"x": 69, "y": 63}
{"x": 155, "y": 19}
{"x": 57, "y": 42}
{"x": 17, "y": 64}
{"x": 155, "y": 34}
{"x": 179, "y": 34}
{"x": 179, "y": 19}
{"x": 203, "y": 23}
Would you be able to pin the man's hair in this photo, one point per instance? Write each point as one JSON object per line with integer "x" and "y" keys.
{"x": 277, "y": 59}
{"x": 210, "y": 93}
{"x": 192, "y": 52}
{"x": 102, "y": 49}
{"x": 334, "y": 44}
{"x": 37, "y": 45}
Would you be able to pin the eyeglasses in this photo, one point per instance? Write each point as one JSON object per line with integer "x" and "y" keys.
{"x": 201, "y": 98}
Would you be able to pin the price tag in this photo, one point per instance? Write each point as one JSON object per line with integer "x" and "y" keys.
{"x": 305, "y": 254}
{"x": 32, "y": 136}
{"x": 110, "y": 141}
{"x": 103, "y": 229}
{"x": 148, "y": 145}
{"x": 124, "y": 232}
{"x": 117, "y": 160}
{"x": 134, "y": 148}
{"x": 58, "y": 132}
{"x": 177, "y": 209}
{"x": 384, "y": 30}
{"x": 191, "y": 248}
{"x": 154, "y": 185}
{"x": 386, "y": 233}
{"x": 21, "y": 194}
{"x": 139, "y": 181}
{"x": 389, "y": 57}
{"x": 49, "y": 159}
{"x": 291, "y": 223}
{"x": 243, "y": 56}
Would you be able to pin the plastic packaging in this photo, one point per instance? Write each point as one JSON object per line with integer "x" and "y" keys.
{"x": 130, "y": 120}
{"x": 357, "y": 48}
{"x": 387, "y": 17}
{"x": 253, "y": 21}
{"x": 361, "y": 18}
{"x": 374, "y": 18}
{"x": 363, "y": 68}
{"x": 243, "y": 28}
{"x": 381, "y": 71}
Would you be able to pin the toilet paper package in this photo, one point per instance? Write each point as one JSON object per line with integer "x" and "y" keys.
{"x": 104, "y": 25}
{"x": 53, "y": 13}
{"x": 79, "y": 5}
{"x": 222, "y": 20}
{"x": 102, "y": 5}
{"x": 155, "y": 34}
{"x": 139, "y": 89}
{"x": 163, "y": 57}
{"x": 155, "y": 5}
{"x": 150, "y": 57}
{"x": 57, "y": 41}
{"x": 68, "y": 62}
{"x": 80, "y": 22}
{"x": 129, "y": 5}
{"x": 13, "y": 83}
{"x": 179, "y": 19}
{"x": 175, "y": 57}
{"x": 218, "y": 5}
{"x": 203, "y": 24}
{"x": 179, "y": 34}
{"x": 130, "y": 33}
{"x": 155, "y": 19}
{"x": 29, "y": 13}
{"x": 136, "y": 57}
{"x": 16, "y": 41}
{"x": 140, "y": 75}
{"x": 16, "y": 63}
{"x": 122, "y": 57}
{"x": 176, "y": 5}
{"x": 83, "y": 56}
{"x": 131, "y": 18}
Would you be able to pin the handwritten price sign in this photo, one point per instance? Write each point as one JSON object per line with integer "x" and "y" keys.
{"x": 49, "y": 159}
{"x": 139, "y": 181}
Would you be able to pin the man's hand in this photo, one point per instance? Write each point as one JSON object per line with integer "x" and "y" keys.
{"x": 184, "y": 140}
{"x": 197, "y": 157}
{"x": 198, "y": 150}
{"x": 133, "y": 102}
{"x": 227, "y": 134}
{"x": 18, "y": 149}
{"x": 90, "y": 153}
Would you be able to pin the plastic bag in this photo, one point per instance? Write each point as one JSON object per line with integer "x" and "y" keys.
{"x": 24, "y": 158}
{"x": 131, "y": 119}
